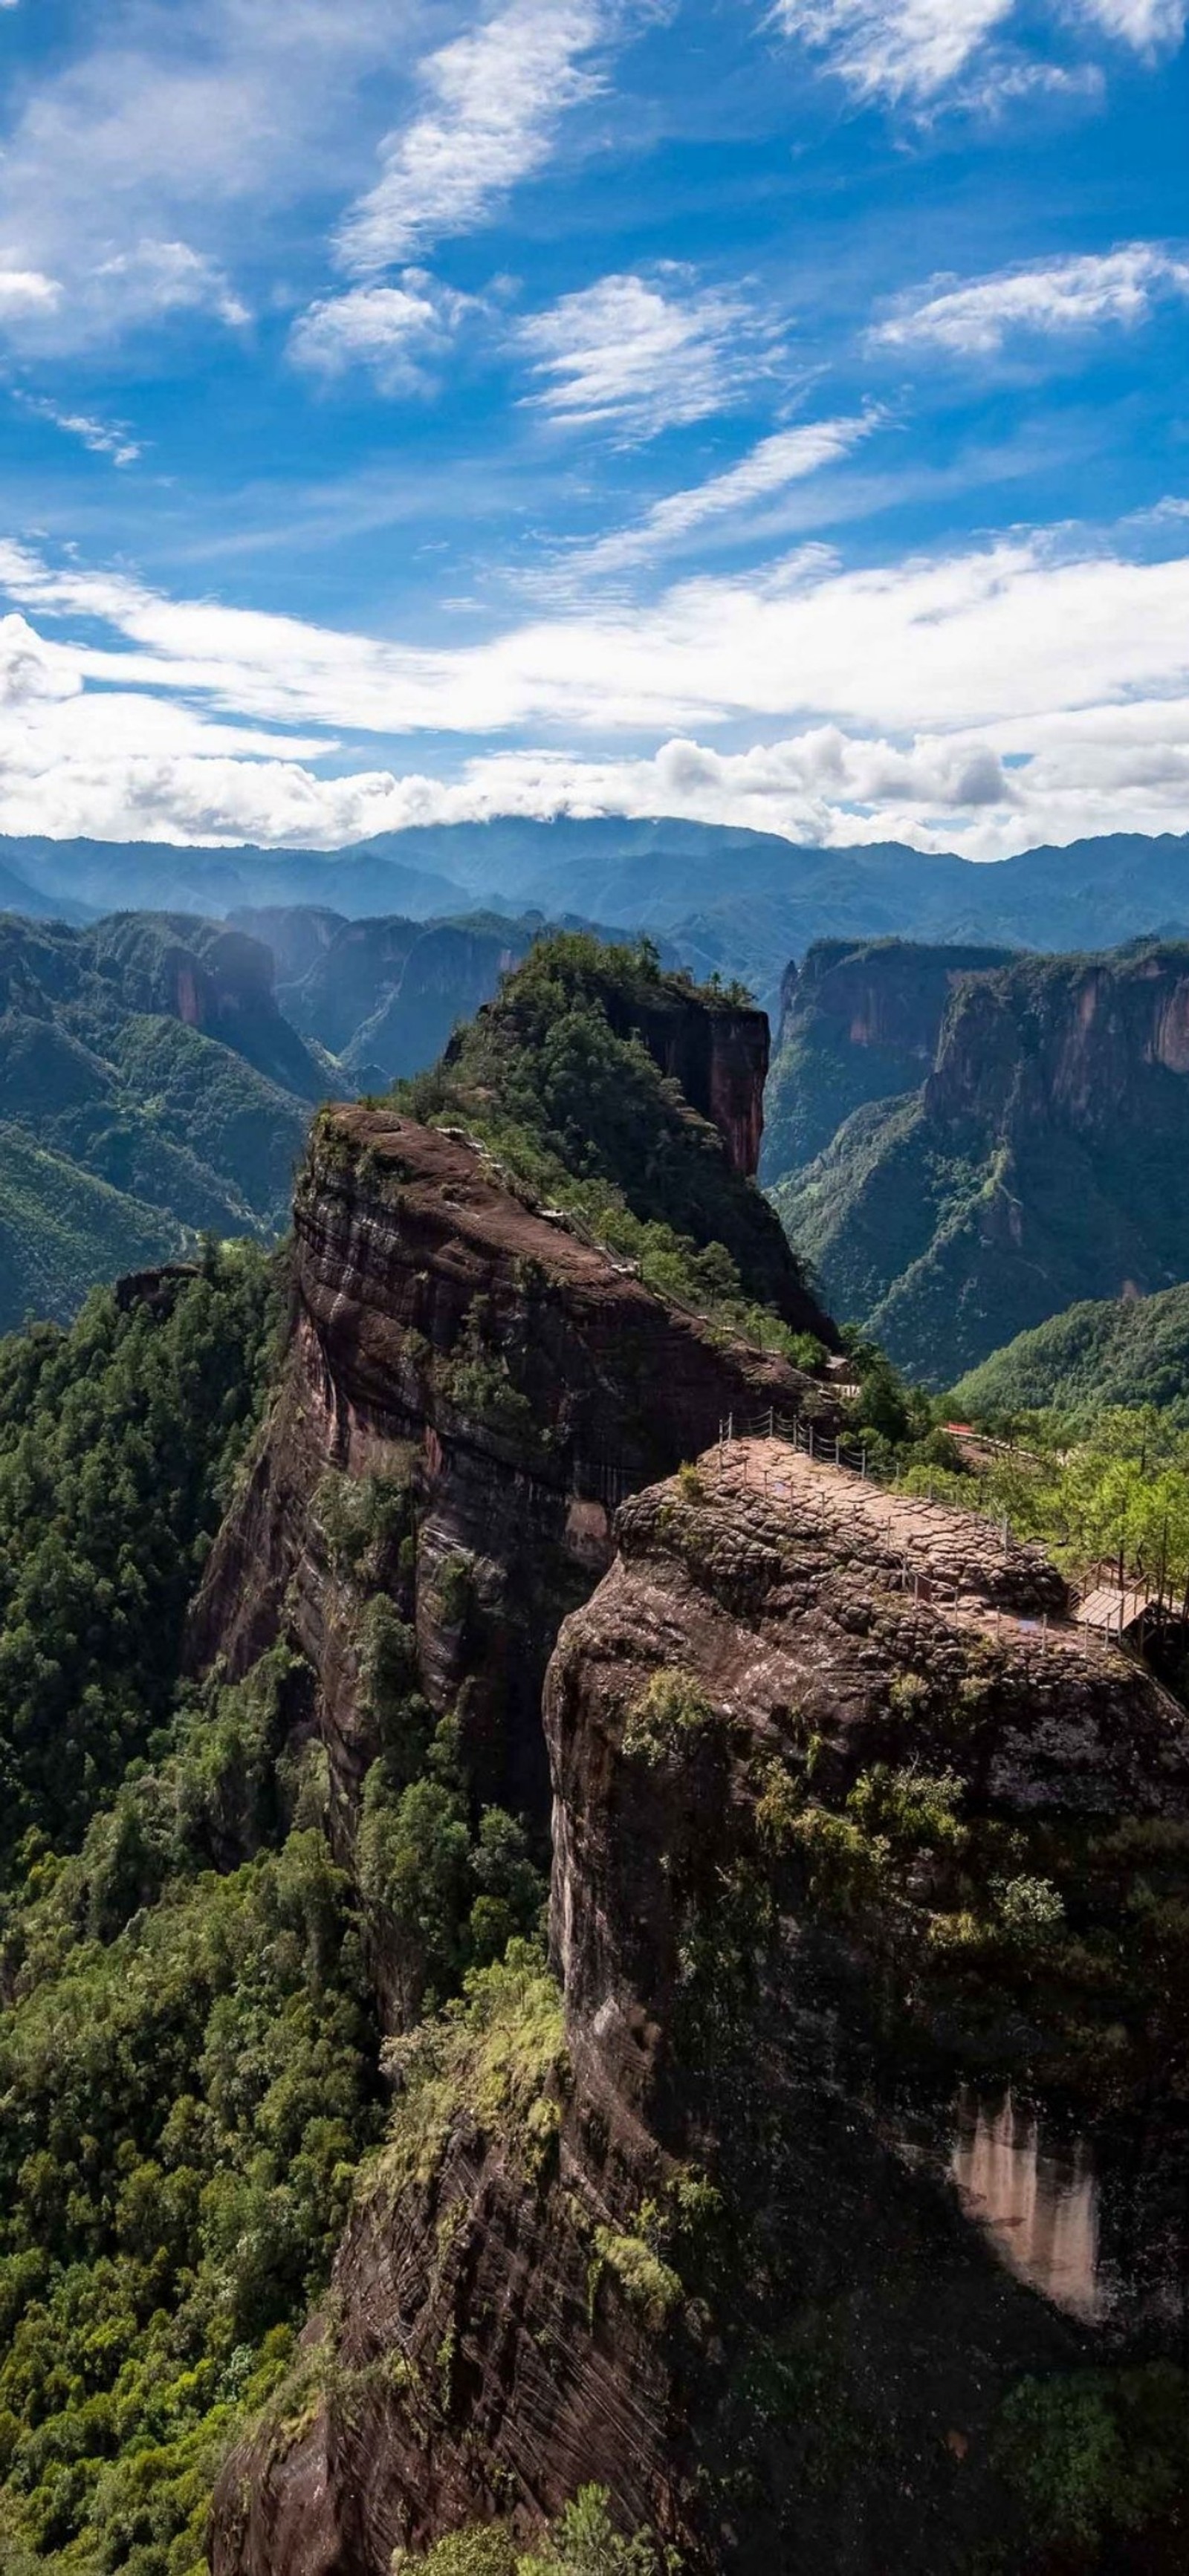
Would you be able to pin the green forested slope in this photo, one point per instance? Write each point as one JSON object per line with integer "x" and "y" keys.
{"x": 1033, "y": 1168}
{"x": 1124, "y": 1351}
{"x": 186, "y": 2062}
{"x": 555, "y": 1076}
{"x": 859, "y": 1023}
{"x": 188, "y": 2037}
{"x": 145, "y": 1097}
{"x": 60, "y": 1228}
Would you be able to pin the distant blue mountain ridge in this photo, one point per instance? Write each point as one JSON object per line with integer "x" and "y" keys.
{"x": 739, "y": 901}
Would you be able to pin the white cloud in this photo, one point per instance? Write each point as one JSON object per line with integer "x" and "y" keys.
{"x": 24, "y": 291}
{"x": 31, "y": 669}
{"x": 167, "y": 277}
{"x": 493, "y": 100}
{"x": 395, "y": 331}
{"x": 131, "y": 769}
{"x": 1074, "y": 294}
{"x": 640, "y": 354}
{"x": 980, "y": 700}
{"x": 103, "y": 437}
{"x": 127, "y": 171}
{"x": 1010, "y": 630}
{"x": 895, "y": 49}
{"x": 787, "y": 457}
{"x": 1151, "y": 26}
{"x": 913, "y": 51}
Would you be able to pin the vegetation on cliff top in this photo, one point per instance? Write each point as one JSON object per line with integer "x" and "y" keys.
{"x": 1109, "y": 1498}
{"x": 554, "y": 1077}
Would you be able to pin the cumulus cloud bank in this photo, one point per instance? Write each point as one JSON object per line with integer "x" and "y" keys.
{"x": 976, "y": 700}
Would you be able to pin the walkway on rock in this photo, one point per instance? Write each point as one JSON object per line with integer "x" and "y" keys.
{"x": 935, "y": 1553}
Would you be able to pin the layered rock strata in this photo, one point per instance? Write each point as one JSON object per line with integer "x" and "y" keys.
{"x": 859, "y": 1022}
{"x": 827, "y": 1771}
{"x": 501, "y": 1383}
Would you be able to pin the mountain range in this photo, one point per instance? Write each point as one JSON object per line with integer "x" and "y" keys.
{"x": 157, "y": 1071}
{"x": 729, "y": 900}
{"x": 962, "y": 1138}
{"x": 1011, "y": 1149}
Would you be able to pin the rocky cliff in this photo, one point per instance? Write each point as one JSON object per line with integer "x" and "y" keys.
{"x": 848, "y": 1830}
{"x": 212, "y": 978}
{"x": 495, "y": 1383}
{"x": 1030, "y": 1169}
{"x": 638, "y": 1095}
{"x": 716, "y": 1051}
{"x": 858, "y": 1023}
{"x": 383, "y": 995}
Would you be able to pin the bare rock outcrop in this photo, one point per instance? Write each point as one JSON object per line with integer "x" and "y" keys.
{"x": 847, "y": 1822}
{"x": 501, "y": 1383}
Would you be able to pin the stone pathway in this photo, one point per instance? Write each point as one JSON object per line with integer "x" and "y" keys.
{"x": 937, "y": 1554}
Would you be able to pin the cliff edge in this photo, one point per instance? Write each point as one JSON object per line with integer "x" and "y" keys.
{"x": 848, "y": 1833}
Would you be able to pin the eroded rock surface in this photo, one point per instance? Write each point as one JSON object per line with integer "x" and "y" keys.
{"x": 826, "y": 1777}
{"x": 512, "y": 1382}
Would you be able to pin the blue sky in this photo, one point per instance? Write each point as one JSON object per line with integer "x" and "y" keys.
{"x": 776, "y": 414}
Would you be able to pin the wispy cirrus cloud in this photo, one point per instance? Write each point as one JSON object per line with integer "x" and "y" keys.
{"x": 128, "y": 160}
{"x": 787, "y": 457}
{"x": 493, "y": 101}
{"x": 1060, "y": 296}
{"x": 640, "y": 354}
{"x": 893, "y": 49}
{"x": 911, "y": 52}
{"x": 103, "y": 437}
{"x": 1149, "y": 25}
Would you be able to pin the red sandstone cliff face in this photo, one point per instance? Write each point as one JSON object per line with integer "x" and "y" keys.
{"x": 1081, "y": 1043}
{"x": 859, "y": 1023}
{"x": 506, "y": 1377}
{"x": 814, "y": 2378}
{"x": 716, "y": 1053}
{"x": 1029, "y": 1171}
{"x": 719, "y": 1057}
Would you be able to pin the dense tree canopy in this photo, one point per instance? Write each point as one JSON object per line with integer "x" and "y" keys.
{"x": 117, "y": 1439}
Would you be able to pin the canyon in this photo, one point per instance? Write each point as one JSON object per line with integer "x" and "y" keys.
{"x": 1020, "y": 1162}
